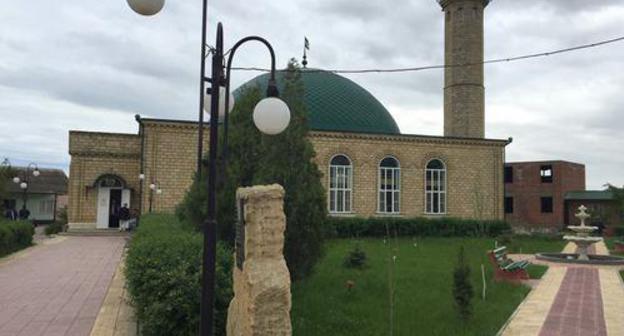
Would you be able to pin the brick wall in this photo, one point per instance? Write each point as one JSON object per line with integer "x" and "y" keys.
{"x": 474, "y": 168}
{"x": 474, "y": 171}
{"x": 92, "y": 155}
{"x": 527, "y": 190}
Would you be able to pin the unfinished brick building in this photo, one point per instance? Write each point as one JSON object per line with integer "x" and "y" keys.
{"x": 535, "y": 193}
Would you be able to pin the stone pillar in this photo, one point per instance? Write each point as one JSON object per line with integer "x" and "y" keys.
{"x": 464, "y": 105}
{"x": 262, "y": 301}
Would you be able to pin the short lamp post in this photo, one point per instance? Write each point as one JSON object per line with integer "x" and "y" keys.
{"x": 271, "y": 116}
{"x": 154, "y": 188}
{"x": 23, "y": 179}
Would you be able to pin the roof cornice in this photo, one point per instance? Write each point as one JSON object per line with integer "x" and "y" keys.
{"x": 409, "y": 138}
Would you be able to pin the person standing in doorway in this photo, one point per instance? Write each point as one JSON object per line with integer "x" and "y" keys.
{"x": 124, "y": 217}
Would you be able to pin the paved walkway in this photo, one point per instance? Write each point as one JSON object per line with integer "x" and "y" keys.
{"x": 572, "y": 300}
{"x": 57, "y": 288}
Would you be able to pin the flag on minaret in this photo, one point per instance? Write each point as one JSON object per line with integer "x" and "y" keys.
{"x": 306, "y": 43}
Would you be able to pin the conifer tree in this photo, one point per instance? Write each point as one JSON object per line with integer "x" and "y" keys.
{"x": 286, "y": 159}
{"x": 462, "y": 288}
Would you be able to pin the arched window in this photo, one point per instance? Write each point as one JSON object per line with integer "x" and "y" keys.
{"x": 435, "y": 187}
{"x": 340, "y": 184}
{"x": 389, "y": 185}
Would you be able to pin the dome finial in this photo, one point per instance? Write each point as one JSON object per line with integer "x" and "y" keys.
{"x": 306, "y": 47}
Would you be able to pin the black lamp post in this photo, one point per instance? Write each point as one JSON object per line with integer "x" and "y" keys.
{"x": 23, "y": 179}
{"x": 271, "y": 116}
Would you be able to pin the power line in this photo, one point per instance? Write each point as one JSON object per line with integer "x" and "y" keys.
{"x": 443, "y": 66}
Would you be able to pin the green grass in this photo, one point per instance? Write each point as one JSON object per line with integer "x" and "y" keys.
{"x": 531, "y": 245}
{"x": 610, "y": 242}
{"x": 536, "y": 271}
{"x": 422, "y": 278}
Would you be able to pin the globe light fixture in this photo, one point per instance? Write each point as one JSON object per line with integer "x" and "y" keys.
{"x": 152, "y": 186}
{"x": 23, "y": 185}
{"x": 271, "y": 116}
{"x": 159, "y": 191}
{"x": 146, "y": 7}
{"x": 208, "y": 99}
{"x": 36, "y": 172}
{"x": 16, "y": 179}
{"x": 141, "y": 177}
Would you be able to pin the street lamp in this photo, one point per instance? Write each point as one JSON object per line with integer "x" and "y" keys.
{"x": 154, "y": 188}
{"x": 271, "y": 116}
{"x": 24, "y": 182}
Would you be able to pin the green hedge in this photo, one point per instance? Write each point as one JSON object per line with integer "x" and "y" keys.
{"x": 163, "y": 269}
{"x": 619, "y": 231}
{"x": 15, "y": 236}
{"x": 347, "y": 227}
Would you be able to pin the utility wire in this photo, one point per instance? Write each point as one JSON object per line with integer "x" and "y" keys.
{"x": 443, "y": 66}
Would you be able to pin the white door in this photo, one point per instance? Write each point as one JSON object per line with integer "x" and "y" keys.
{"x": 103, "y": 207}
{"x": 125, "y": 197}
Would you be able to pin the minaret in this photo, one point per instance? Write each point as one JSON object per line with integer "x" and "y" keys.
{"x": 464, "y": 105}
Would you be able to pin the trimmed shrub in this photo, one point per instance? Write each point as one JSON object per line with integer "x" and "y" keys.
{"x": 15, "y": 236}
{"x": 163, "y": 270}
{"x": 417, "y": 226}
{"x": 54, "y": 228}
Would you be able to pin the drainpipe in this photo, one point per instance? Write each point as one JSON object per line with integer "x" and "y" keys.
{"x": 141, "y": 164}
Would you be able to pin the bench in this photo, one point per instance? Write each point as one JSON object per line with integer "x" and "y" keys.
{"x": 506, "y": 269}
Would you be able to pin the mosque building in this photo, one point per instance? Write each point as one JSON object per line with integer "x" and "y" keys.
{"x": 369, "y": 168}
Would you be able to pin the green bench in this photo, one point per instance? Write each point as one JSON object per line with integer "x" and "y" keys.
{"x": 507, "y": 269}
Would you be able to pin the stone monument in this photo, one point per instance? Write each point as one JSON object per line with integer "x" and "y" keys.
{"x": 262, "y": 301}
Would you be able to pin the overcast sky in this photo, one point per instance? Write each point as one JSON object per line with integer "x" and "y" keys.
{"x": 93, "y": 64}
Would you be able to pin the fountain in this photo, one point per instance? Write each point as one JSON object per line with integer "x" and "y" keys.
{"x": 583, "y": 241}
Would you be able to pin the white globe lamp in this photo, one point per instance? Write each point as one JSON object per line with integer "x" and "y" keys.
{"x": 159, "y": 191}
{"x": 141, "y": 177}
{"x": 271, "y": 116}
{"x": 152, "y": 186}
{"x": 208, "y": 100}
{"x": 23, "y": 185}
{"x": 16, "y": 180}
{"x": 146, "y": 7}
{"x": 36, "y": 172}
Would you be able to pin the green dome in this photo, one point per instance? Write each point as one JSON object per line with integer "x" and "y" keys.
{"x": 335, "y": 103}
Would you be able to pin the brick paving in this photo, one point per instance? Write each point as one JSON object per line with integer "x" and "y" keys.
{"x": 577, "y": 309}
{"x": 57, "y": 289}
{"x": 572, "y": 300}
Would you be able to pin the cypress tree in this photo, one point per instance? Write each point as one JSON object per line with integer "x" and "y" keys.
{"x": 286, "y": 159}
{"x": 462, "y": 288}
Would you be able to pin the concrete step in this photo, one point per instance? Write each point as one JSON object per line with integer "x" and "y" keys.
{"x": 95, "y": 232}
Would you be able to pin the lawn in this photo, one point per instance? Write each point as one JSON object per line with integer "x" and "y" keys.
{"x": 420, "y": 279}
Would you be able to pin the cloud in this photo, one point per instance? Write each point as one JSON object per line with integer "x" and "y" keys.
{"x": 88, "y": 64}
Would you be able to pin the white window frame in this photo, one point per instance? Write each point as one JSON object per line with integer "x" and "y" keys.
{"x": 394, "y": 190}
{"x": 343, "y": 186}
{"x": 439, "y": 192}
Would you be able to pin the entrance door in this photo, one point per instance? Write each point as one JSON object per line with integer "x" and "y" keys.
{"x": 103, "y": 209}
{"x": 115, "y": 205}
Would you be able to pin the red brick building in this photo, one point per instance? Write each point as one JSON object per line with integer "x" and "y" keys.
{"x": 535, "y": 193}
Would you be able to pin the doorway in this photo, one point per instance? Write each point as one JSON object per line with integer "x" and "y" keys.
{"x": 115, "y": 205}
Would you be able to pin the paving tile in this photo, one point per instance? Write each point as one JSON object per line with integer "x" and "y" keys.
{"x": 57, "y": 288}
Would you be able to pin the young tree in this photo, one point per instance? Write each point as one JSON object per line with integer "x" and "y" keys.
{"x": 462, "y": 288}
{"x": 254, "y": 159}
{"x": 239, "y": 165}
{"x": 288, "y": 160}
{"x": 6, "y": 173}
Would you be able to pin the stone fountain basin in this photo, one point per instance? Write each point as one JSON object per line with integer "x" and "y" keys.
{"x": 583, "y": 229}
{"x": 582, "y": 239}
{"x": 572, "y": 258}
